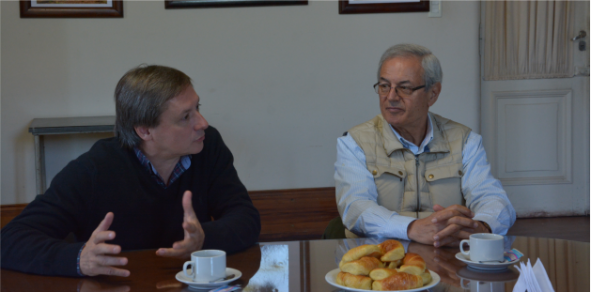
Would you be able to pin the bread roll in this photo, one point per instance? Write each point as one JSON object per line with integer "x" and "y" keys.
{"x": 394, "y": 264}
{"x": 426, "y": 277}
{"x": 399, "y": 281}
{"x": 381, "y": 273}
{"x": 361, "y": 251}
{"x": 354, "y": 281}
{"x": 362, "y": 266}
{"x": 413, "y": 264}
{"x": 392, "y": 249}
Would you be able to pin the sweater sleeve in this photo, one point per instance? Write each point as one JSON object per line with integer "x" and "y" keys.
{"x": 236, "y": 223}
{"x": 33, "y": 242}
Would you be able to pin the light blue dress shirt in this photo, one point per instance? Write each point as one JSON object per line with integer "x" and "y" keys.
{"x": 356, "y": 191}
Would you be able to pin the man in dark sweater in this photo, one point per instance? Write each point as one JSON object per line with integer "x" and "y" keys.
{"x": 166, "y": 181}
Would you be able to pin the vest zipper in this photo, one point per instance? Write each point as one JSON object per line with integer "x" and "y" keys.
{"x": 418, "y": 190}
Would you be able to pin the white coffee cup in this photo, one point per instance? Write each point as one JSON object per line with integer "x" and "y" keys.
{"x": 484, "y": 247}
{"x": 206, "y": 265}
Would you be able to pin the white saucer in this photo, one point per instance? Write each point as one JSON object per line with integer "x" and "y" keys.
{"x": 180, "y": 276}
{"x": 331, "y": 278}
{"x": 490, "y": 266}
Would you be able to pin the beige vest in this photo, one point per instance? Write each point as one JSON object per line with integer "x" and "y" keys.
{"x": 411, "y": 185}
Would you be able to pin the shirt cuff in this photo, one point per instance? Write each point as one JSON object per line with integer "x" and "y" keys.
{"x": 78, "y": 261}
{"x": 405, "y": 221}
{"x": 490, "y": 221}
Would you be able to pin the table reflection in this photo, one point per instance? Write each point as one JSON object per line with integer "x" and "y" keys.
{"x": 302, "y": 265}
{"x": 92, "y": 285}
{"x": 473, "y": 280}
{"x": 273, "y": 273}
{"x": 566, "y": 262}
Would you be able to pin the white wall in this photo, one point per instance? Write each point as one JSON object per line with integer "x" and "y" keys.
{"x": 280, "y": 83}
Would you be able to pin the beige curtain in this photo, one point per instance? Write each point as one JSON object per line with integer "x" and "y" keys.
{"x": 528, "y": 39}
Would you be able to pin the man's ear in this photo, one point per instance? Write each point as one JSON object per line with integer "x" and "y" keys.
{"x": 143, "y": 132}
{"x": 434, "y": 93}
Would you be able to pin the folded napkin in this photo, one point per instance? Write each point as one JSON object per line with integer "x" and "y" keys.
{"x": 532, "y": 279}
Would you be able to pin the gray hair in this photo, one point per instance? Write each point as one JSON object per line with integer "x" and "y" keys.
{"x": 141, "y": 96}
{"x": 432, "y": 73}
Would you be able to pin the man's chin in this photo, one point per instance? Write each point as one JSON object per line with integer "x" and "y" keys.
{"x": 393, "y": 120}
{"x": 196, "y": 149}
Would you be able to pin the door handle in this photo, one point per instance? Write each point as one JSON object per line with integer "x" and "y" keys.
{"x": 581, "y": 35}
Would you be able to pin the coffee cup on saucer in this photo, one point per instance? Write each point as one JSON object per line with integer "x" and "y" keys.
{"x": 484, "y": 247}
{"x": 206, "y": 265}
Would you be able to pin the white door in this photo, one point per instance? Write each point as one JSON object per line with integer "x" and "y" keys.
{"x": 536, "y": 135}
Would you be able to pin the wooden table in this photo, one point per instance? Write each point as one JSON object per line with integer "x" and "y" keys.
{"x": 61, "y": 126}
{"x": 302, "y": 265}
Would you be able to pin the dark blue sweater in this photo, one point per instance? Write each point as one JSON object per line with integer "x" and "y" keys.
{"x": 109, "y": 178}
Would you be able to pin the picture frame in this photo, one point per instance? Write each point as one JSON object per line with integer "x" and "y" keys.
{"x": 71, "y": 9}
{"x": 173, "y": 4}
{"x": 382, "y": 6}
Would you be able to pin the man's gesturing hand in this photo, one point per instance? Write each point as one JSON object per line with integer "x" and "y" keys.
{"x": 93, "y": 258}
{"x": 194, "y": 235}
{"x": 425, "y": 230}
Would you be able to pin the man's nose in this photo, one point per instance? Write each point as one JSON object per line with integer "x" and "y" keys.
{"x": 202, "y": 123}
{"x": 393, "y": 95}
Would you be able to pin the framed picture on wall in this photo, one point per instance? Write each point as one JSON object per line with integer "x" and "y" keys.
{"x": 382, "y": 6}
{"x": 71, "y": 8}
{"x": 171, "y": 4}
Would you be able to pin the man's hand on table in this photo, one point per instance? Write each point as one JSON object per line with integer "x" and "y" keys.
{"x": 457, "y": 228}
{"x": 445, "y": 227}
{"x": 194, "y": 235}
{"x": 95, "y": 259}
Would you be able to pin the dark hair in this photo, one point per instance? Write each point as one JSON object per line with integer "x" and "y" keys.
{"x": 141, "y": 96}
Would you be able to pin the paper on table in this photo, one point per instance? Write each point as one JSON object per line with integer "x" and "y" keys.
{"x": 532, "y": 279}
{"x": 540, "y": 274}
{"x": 521, "y": 285}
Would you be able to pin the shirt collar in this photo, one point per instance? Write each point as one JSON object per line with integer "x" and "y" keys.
{"x": 185, "y": 162}
{"x": 416, "y": 150}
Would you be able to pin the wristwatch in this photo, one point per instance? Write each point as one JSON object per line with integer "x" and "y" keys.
{"x": 486, "y": 225}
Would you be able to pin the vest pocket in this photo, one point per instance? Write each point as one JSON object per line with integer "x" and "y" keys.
{"x": 445, "y": 184}
{"x": 379, "y": 171}
{"x": 443, "y": 172}
{"x": 390, "y": 185}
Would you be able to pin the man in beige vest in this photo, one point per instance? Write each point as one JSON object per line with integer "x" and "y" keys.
{"x": 411, "y": 174}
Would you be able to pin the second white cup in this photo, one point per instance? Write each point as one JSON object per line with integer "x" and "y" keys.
{"x": 484, "y": 247}
{"x": 207, "y": 265}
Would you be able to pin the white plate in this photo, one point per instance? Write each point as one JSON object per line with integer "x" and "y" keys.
{"x": 180, "y": 276}
{"x": 331, "y": 278}
{"x": 491, "y": 266}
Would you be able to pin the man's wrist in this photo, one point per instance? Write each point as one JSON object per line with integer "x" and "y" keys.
{"x": 78, "y": 261}
{"x": 408, "y": 230}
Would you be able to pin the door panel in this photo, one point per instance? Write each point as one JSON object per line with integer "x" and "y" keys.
{"x": 536, "y": 135}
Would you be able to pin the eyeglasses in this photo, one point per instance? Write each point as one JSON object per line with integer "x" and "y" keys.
{"x": 383, "y": 89}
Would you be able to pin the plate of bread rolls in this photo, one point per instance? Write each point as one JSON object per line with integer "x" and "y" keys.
{"x": 382, "y": 267}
